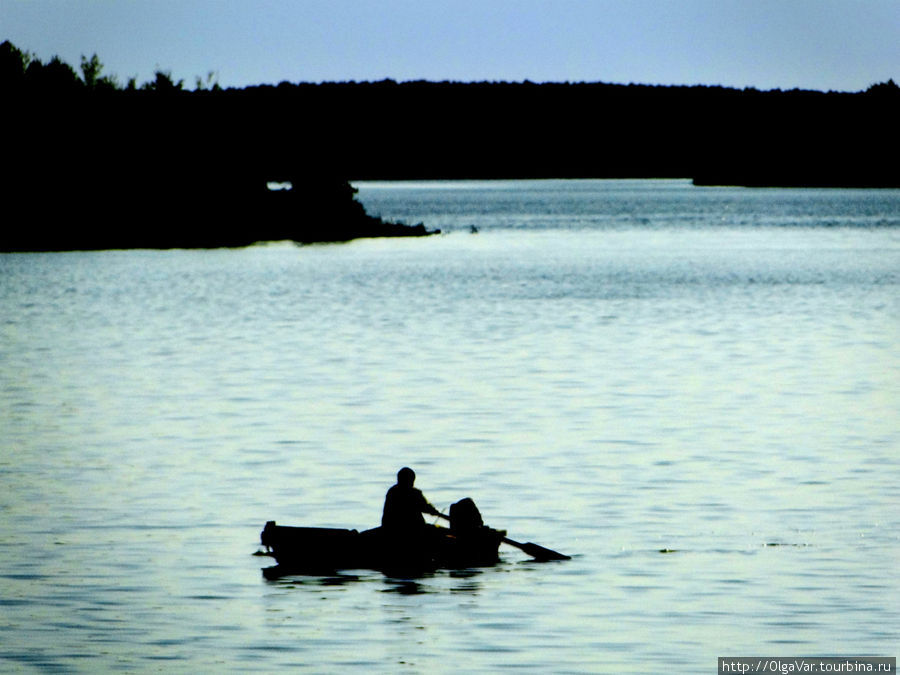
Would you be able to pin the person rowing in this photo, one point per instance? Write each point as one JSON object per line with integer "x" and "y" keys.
{"x": 404, "y": 506}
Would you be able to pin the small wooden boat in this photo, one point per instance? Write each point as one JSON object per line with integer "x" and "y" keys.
{"x": 322, "y": 550}
{"x": 467, "y": 543}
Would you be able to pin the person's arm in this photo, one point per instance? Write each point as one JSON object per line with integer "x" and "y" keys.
{"x": 428, "y": 508}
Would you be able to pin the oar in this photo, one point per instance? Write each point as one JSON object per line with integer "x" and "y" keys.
{"x": 534, "y": 550}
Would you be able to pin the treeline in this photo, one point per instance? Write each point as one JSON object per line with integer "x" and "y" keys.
{"x": 91, "y": 164}
{"x": 22, "y": 72}
{"x": 503, "y": 130}
{"x": 160, "y": 156}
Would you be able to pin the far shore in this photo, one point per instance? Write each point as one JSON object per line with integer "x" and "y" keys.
{"x": 92, "y": 163}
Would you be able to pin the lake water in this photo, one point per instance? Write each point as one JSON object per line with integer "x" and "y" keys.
{"x": 695, "y": 392}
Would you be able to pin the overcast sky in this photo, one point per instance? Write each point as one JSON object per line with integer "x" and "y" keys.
{"x": 843, "y": 45}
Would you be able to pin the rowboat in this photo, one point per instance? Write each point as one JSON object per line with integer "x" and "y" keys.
{"x": 468, "y": 542}
{"x": 322, "y": 549}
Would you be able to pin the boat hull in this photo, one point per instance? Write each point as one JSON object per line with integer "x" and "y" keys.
{"x": 319, "y": 549}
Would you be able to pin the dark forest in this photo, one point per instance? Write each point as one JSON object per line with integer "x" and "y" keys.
{"x": 95, "y": 164}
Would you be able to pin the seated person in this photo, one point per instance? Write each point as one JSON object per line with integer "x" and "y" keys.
{"x": 404, "y": 505}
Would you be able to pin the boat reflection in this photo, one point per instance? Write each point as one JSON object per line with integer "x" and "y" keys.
{"x": 282, "y": 574}
{"x": 461, "y": 581}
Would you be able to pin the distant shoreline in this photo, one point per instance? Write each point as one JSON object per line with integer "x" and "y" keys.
{"x": 95, "y": 164}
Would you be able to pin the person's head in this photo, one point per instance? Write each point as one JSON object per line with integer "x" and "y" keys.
{"x": 406, "y": 477}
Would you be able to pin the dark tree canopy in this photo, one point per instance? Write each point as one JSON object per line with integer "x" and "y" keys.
{"x": 158, "y": 159}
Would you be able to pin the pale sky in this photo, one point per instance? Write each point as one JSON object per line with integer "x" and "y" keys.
{"x": 842, "y": 45}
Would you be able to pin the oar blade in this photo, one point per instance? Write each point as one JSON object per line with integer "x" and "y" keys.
{"x": 541, "y": 553}
{"x": 538, "y": 552}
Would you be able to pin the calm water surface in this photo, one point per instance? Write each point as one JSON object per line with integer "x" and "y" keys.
{"x": 609, "y": 368}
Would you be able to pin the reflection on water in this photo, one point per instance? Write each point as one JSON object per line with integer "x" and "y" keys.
{"x": 404, "y": 587}
{"x": 462, "y": 580}
{"x": 695, "y": 392}
{"x": 287, "y": 577}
